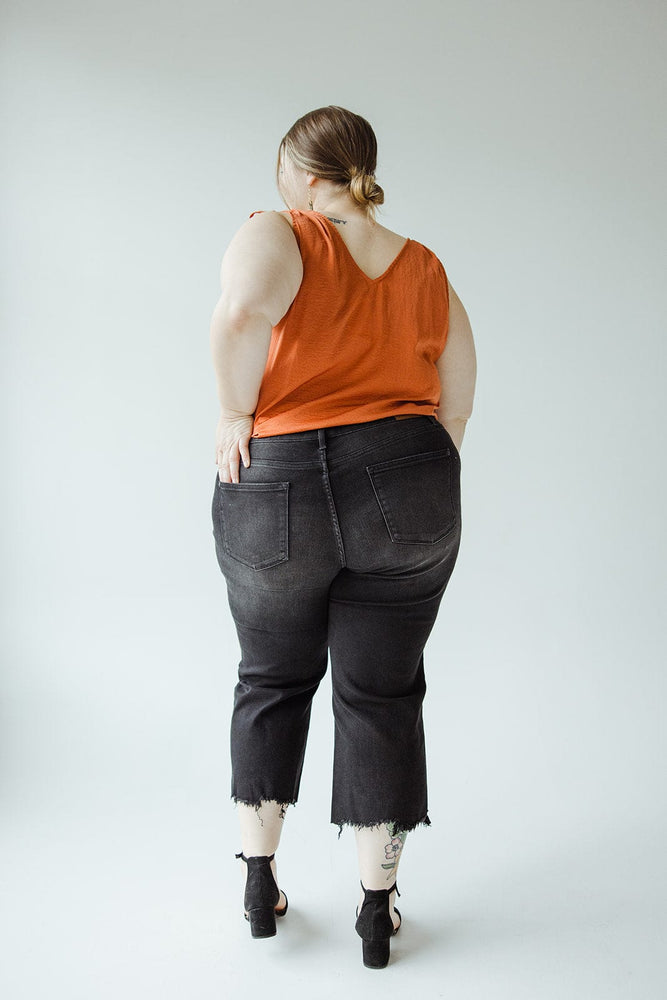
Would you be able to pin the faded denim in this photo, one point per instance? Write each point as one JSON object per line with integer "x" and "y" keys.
{"x": 337, "y": 545}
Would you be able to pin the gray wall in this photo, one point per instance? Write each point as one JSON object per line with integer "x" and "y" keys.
{"x": 521, "y": 142}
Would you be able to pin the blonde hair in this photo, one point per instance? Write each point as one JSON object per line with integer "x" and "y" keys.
{"x": 338, "y": 146}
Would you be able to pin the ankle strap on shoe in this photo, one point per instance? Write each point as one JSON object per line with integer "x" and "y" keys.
{"x": 378, "y": 892}
{"x": 267, "y": 857}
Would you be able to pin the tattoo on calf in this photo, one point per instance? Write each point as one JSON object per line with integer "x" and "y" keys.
{"x": 393, "y": 849}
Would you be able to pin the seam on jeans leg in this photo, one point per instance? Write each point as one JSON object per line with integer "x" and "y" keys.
{"x": 282, "y": 590}
{"x": 288, "y": 630}
{"x": 330, "y": 500}
{"x": 388, "y": 604}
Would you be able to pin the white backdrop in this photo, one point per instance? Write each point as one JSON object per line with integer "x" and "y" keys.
{"x": 521, "y": 142}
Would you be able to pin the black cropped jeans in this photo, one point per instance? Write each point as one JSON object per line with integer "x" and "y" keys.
{"x": 338, "y": 544}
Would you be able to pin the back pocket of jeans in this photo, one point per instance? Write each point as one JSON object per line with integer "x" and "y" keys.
{"x": 416, "y": 496}
{"x": 253, "y": 522}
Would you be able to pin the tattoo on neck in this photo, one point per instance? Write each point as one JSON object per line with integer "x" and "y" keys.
{"x": 342, "y": 221}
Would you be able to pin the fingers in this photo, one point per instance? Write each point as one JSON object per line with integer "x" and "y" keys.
{"x": 228, "y": 460}
{"x": 234, "y": 465}
{"x": 223, "y": 466}
{"x": 245, "y": 450}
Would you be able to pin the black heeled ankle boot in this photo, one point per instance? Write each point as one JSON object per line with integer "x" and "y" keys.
{"x": 375, "y": 926}
{"x": 261, "y": 895}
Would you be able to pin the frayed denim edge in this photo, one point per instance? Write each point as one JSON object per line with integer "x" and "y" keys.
{"x": 258, "y": 805}
{"x": 397, "y": 825}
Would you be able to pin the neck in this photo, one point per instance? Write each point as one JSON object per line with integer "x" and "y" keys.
{"x": 340, "y": 210}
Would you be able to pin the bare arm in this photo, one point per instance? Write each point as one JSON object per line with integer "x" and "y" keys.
{"x": 260, "y": 275}
{"x": 457, "y": 369}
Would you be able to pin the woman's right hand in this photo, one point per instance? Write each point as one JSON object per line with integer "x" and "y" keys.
{"x": 232, "y": 444}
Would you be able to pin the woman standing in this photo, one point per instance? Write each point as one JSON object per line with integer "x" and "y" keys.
{"x": 345, "y": 369}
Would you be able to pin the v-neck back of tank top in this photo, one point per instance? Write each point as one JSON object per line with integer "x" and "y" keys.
{"x": 351, "y": 348}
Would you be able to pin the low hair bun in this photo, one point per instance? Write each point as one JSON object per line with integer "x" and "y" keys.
{"x": 364, "y": 189}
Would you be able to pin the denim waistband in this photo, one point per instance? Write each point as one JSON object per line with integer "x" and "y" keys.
{"x": 340, "y": 429}
{"x": 341, "y": 442}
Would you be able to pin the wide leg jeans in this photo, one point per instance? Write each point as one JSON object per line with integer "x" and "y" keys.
{"x": 336, "y": 546}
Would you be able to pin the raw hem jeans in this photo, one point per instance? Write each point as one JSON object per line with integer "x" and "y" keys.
{"x": 337, "y": 544}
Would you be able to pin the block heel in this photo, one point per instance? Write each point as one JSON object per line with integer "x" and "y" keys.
{"x": 262, "y": 921}
{"x": 375, "y": 954}
{"x": 261, "y": 895}
{"x": 375, "y": 926}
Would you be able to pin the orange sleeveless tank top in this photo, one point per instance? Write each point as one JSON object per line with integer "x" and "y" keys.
{"x": 352, "y": 348}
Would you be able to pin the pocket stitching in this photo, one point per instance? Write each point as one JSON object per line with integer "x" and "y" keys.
{"x": 385, "y": 504}
{"x": 283, "y": 539}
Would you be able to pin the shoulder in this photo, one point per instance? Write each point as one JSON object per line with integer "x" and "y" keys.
{"x": 265, "y": 235}
{"x": 270, "y": 218}
{"x": 425, "y": 251}
{"x": 275, "y": 231}
{"x": 264, "y": 240}
{"x": 429, "y": 258}
{"x": 289, "y": 218}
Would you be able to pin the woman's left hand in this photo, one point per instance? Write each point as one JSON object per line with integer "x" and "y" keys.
{"x": 231, "y": 445}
